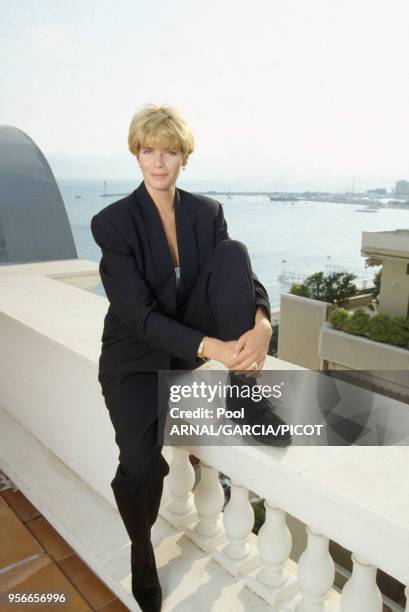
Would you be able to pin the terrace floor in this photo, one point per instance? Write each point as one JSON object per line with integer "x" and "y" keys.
{"x": 34, "y": 557}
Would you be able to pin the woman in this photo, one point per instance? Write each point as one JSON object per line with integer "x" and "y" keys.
{"x": 180, "y": 292}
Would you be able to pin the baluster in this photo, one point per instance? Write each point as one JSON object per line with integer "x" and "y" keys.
{"x": 238, "y": 555}
{"x": 361, "y": 593}
{"x": 208, "y": 532}
{"x": 179, "y": 510}
{"x": 272, "y": 581}
{"x": 316, "y": 573}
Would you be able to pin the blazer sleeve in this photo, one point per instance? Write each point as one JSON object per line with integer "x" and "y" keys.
{"x": 261, "y": 295}
{"x": 131, "y": 299}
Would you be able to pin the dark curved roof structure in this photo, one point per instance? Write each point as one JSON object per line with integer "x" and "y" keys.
{"x": 34, "y": 224}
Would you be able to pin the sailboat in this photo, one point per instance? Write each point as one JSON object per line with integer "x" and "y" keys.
{"x": 110, "y": 195}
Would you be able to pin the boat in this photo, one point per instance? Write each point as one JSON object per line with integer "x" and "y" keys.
{"x": 282, "y": 198}
{"x": 110, "y": 195}
{"x": 367, "y": 210}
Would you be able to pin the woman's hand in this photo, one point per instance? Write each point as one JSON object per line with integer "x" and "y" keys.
{"x": 220, "y": 350}
{"x": 252, "y": 347}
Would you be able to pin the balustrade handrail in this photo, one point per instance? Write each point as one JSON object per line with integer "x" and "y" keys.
{"x": 367, "y": 516}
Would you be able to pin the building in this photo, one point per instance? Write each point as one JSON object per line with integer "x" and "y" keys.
{"x": 402, "y": 188}
{"x": 391, "y": 250}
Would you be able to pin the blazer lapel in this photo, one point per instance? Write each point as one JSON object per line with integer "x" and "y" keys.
{"x": 165, "y": 281}
{"x": 164, "y": 272}
{"x": 187, "y": 245}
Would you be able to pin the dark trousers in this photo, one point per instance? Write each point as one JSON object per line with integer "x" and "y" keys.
{"x": 222, "y": 305}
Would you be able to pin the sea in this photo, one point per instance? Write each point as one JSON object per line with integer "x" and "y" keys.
{"x": 287, "y": 241}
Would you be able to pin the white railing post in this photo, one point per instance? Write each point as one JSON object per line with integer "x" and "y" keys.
{"x": 272, "y": 581}
{"x": 238, "y": 555}
{"x": 316, "y": 573}
{"x": 179, "y": 510}
{"x": 208, "y": 531}
{"x": 361, "y": 593}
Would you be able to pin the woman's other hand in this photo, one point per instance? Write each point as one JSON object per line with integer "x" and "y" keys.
{"x": 220, "y": 350}
{"x": 252, "y": 348}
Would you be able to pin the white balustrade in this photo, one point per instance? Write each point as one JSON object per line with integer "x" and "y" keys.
{"x": 179, "y": 510}
{"x": 313, "y": 485}
{"x": 316, "y": 573}
{"x": 274, "y": 546}
{"x": 238, "y": 555}
{"x": 272, "y": 581}
{"x": 208, "y": 531}
{"x": 361, "y": 593}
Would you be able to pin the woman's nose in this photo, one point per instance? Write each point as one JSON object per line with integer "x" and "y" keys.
{"x": 158, "y": 158}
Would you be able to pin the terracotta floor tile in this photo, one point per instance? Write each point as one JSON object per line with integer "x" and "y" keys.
{"x": 17, "y": 543}
{"x": 40, "y": 576}
{"x": 91, "y": 588}
{"x": 114, "y": 606}
{"x": 49, "y": 538}
{"x": 20, "y": 504}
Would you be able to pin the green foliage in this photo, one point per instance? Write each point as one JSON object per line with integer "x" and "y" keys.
{"x": 357, "y": 324}
{"x": 340, "y": 287}
{"x": 338, "y": 318}
{"x": 400, "y": 331}
{"x": 380, "y": 327}
{"x": 377, "y": 283}
{"x": 333, "y": 288}
{"x": 297, "y": 289}
{"x": 315, "y": 286}
{"x": 259, "y": 515}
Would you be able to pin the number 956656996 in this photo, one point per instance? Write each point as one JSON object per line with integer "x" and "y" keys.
{"x": 36, "y": 598}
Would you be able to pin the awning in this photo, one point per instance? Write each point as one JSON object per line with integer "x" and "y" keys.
{"x": 373, "y": 261}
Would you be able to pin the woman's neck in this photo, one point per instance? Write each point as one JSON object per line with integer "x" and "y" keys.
{"x": 163, "y": 198}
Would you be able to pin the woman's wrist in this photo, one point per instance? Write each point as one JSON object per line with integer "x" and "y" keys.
{"x": 261, "y": 315}
{"x": 210, "y": 347}
{"x": 262, "y": 321}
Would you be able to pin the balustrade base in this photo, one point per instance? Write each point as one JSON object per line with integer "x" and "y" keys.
{"x": 237, "y": 567}
{"x": 178, "y": 520}
{"x": 333, "y": 604}
{"x": 205, "y": 543}
{"x": 275, "y": 596}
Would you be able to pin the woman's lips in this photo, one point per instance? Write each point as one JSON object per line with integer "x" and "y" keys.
{"x": 159, "y": 175}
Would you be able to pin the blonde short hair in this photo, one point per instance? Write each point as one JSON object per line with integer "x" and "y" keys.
{"x": 162, "y": 126}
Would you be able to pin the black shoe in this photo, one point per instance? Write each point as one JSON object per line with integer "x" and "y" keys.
{"x": 260, "y": 413}
{"x": 146, "y": 587}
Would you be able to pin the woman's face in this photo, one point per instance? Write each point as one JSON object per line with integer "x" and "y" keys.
{"x": 160, "y": 167}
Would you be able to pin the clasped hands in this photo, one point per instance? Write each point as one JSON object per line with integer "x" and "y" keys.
{"x": 247, "y": 354}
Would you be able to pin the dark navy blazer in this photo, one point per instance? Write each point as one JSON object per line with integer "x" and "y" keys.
{"x": 141, "y": 331}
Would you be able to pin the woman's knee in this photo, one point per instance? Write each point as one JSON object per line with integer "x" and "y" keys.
{"x": 137, "y": 468}
{"x": 231, "y": 249}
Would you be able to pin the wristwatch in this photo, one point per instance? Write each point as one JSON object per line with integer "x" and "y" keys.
{"x": 200, "y": 350}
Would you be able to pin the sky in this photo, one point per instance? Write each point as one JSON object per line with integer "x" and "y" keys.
{"x": 279, "y": 94}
